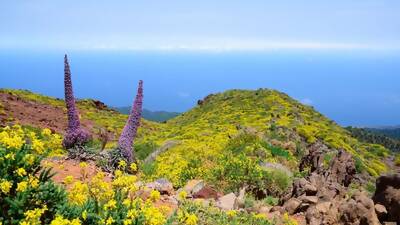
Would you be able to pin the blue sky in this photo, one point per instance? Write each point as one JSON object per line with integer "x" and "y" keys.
{"x": 206, "y": 25}
{"x": 341, "y": 56}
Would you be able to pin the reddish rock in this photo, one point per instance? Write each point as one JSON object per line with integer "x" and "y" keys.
{"x": 207, "y": 192}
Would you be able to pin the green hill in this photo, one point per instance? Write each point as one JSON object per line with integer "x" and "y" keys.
{"x": 392, "y": 132}
{"x": 156, "y": 116}
{"x": 377, "y": 136}
{"x": 264, "y": 125}
{"x": 224, "y": 139}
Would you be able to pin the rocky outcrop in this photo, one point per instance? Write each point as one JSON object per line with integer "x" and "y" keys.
{"x": 387, "y": 194}
{"x": 358, "y": 210}
{"x": 315, "y": 157}
{"x": 323, "y": 195}
{"x": 342, "y": 169}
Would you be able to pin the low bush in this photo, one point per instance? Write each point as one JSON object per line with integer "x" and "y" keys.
{"x": 236, "y": 171}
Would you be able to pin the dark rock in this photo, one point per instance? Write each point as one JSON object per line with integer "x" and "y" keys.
{"x": 388, "y": 194}
{"x": 381, "y": 212}
{"x": 342, "y": 169}
{"x": 207, "y": 192}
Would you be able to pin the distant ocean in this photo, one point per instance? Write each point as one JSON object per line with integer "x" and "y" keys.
{"x": 353, "y": 88}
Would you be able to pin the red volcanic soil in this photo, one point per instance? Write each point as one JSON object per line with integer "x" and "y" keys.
{"x": 69, "y": 167}
{"x": 26, "y": 112}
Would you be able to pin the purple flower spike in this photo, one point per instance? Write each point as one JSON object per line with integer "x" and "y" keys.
{"x": 75, "y": 134}
{"x": 130, "y": 130}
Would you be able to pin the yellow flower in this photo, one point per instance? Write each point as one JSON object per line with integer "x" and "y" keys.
{"x": 133, "y": 167}
{"x": 29, "y": 159}
{"x": 127, "y": 202}
{"x": 154, "y": 195}
{"x": 5, "y": 186}
{"x": 153, "y": 216}
{"x": 260, "y": 216}
{"x": 126, "y": 222}
{"x": 46, "y": 132}
{"x": 182, "y": 195}
{"x": 59, "y": 220}
{"x": 132, "y": 214}
{"x": 122, "y": 164}
{"x": 84, "y": 215}
{"x": 38, "y": 146}
{"x": 32, "y": 217}
{"x": 22, "y": 186}
{"x": 191, "y": 220}
{"x": 10, "y": 156}
{"x": 231, "y": 213}
{"x": 83, "y": 165}
{"x": 118, "y": 173}
{"x": 78, "y": 193}
{"x": 33, "y": 181}
{"x": 112, "y": 204}
{"x": 21, "y": 172}
{"x": 109, "y": 221}
{"x": 68, "y": 180}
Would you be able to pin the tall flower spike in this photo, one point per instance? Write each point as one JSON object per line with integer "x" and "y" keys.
{"x": 130, "y": 130}
{"x": 75, "y": 134}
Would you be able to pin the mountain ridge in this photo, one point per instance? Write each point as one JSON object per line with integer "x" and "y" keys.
{"x": 156, "y": 116}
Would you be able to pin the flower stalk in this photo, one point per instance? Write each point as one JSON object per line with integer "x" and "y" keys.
{"x": 129, "y": 132}
{"x": 75, "y": 135}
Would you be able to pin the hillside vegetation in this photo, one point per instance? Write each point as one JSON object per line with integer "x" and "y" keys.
{"x": 235, "y": 129}
{"x": 376, "y": 137}
{"x": 238, "y": 141}
{"x": 279, "y": 129}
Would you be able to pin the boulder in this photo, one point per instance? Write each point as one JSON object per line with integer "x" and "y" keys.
{"x": 194, "y": 186}
{"x": 207, "y": 192}
{"x": 322, "y": 213}
{"x": 388, "y": 194}
{"x": 277, "y": 208}
{"x": 303, "y": 186}
{"x": 323, "y": 207}
{"x": 308, "y": 199}
{"x": 240, "y": 200}
{"x": 264, "y": 209}
{"x": 227, "y": 202}
{"x": 162, "y": 185}
{"x": 381, "y": 212}
{"x": 291, "y": 205}
{"x": 359, "y": 209}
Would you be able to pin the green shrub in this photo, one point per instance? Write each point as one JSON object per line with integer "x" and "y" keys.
{"x": 236, "y": 171}
{"x": 360, "y": 167}
{"x": 22, "y": 191}
{"x": 397, "y": 160}
{"x": 240, "y": 142}
{"x": 208, "y": 215}
{"x": 143, "y": 150}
